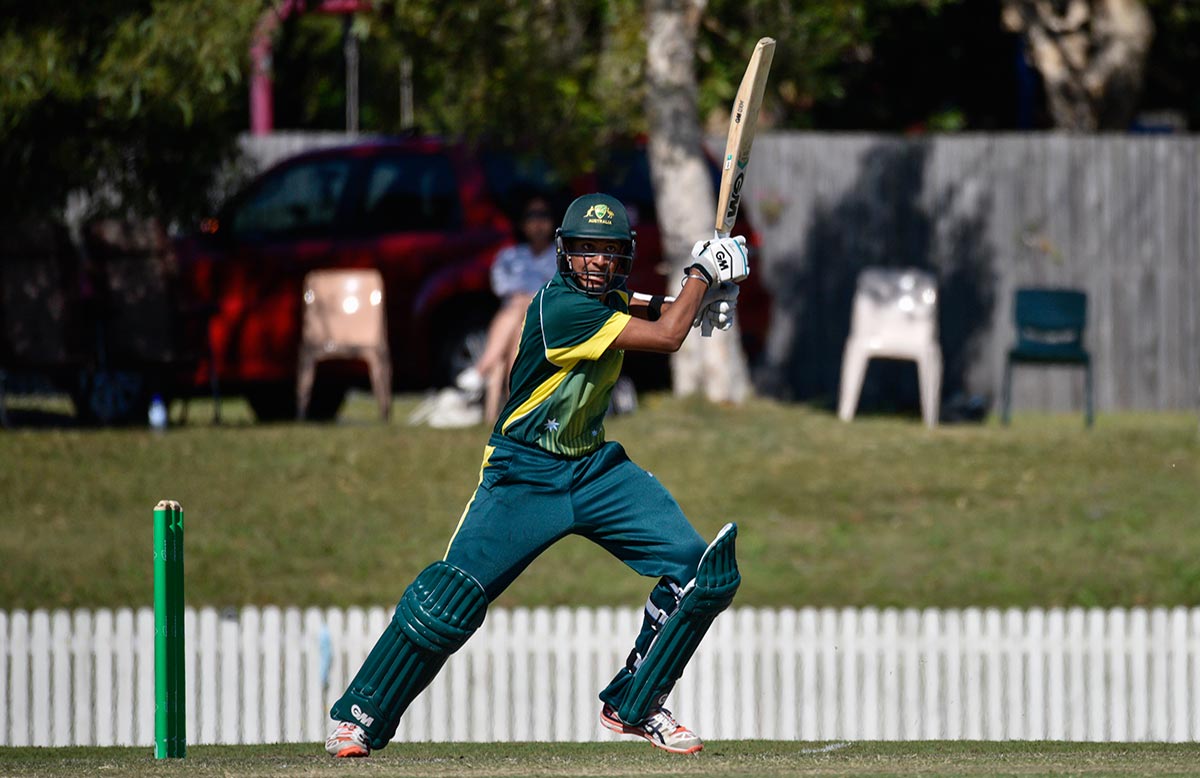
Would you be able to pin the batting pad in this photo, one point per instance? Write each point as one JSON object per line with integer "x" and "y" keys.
{"x": 710, "y": 592}
{"x": 438, "y": 612}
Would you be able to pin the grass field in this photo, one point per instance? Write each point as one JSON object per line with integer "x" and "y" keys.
{"x": 720, "y": 758}
{"x": 878, "y": 512}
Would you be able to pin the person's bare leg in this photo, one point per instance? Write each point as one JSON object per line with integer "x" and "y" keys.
{"x": 500, "y": 333}
{"x": 496, "y": 365}
{"x": 494, "y": 394}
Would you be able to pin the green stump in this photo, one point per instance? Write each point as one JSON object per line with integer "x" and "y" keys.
{"x": 170, "y": 734}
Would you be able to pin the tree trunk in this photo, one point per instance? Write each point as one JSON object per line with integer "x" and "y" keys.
{"x": 1091, "y": 55}
{"x": 683, "y": 190}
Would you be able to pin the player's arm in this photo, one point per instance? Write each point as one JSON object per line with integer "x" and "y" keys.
{"x": 661, "y": 326}
{"x": 664, "y": 333}
{"x": 649, "y": 306}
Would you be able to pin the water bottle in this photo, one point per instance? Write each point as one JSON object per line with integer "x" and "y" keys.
{"x": 158, "y": 413}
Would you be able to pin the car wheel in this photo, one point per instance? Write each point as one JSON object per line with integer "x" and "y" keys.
{"x": 277, "y": 402}
{"x": 111, "y": 396}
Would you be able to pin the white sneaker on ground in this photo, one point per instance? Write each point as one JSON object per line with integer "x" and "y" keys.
{"x": 471, "y": 381}
{"x": 347, "y": 740}
{"x": 660, "y": 728}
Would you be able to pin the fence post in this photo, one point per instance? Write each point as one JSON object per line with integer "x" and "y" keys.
{"x": 39, "y": 662}
{"x": 82, "y": 649}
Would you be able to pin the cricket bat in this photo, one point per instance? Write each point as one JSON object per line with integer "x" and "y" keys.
{"x": 743, "y": 121}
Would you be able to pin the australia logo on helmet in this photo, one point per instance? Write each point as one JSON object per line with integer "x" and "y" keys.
{"x": 599, "y": 214}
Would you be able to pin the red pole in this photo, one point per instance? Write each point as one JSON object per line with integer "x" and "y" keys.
{"x": 262, "y": 110}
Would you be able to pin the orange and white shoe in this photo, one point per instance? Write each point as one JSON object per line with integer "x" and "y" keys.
{"x": 660, "y": 728}
{"x": 347, "y": 741}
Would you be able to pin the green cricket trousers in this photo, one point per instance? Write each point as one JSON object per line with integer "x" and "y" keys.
{"x": 528, "y": 499}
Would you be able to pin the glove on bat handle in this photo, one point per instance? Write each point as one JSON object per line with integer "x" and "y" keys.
{"x": 706, "y": 328}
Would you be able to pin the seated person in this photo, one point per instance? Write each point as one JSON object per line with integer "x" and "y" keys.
{"x": 518, "y": 272}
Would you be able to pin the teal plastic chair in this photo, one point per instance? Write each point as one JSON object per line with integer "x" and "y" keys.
{"x": 1050, "y": 325}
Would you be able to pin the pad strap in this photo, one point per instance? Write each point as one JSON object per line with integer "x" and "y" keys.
{"x": 710, "y": 592}
{"x": 439, "y": 611}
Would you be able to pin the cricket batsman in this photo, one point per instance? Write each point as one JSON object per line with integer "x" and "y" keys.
{"x": 548, "y": 472}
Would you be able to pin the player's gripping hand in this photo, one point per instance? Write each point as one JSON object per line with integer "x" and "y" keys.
{"x": 718, "y": 316}
{"x": 722, "y": 259}
{"x": 718, "y": 307}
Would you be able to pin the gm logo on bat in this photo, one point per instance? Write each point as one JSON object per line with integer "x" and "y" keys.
{"x": 735, "y": 195}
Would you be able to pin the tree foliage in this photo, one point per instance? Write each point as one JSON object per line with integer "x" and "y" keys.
{"x": 142, "y": 98}
{"x": 561, "y": 77}
{"x": 820, "y": 47}
{"x": 134, "y": 99}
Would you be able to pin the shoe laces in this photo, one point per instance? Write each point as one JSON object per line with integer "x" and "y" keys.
{"x": 664, "y": 719}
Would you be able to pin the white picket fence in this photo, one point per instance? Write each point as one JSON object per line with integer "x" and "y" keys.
{"x": 269, "y": 675}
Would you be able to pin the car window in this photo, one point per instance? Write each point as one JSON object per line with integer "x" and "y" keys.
{"x": 411, "y": 193}
{"x": 625, "y": 174}
{"x": 301, "y": 199}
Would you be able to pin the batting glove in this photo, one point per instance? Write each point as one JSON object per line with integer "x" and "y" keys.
{"x": 722, "y": 259}
{"x": 718, "y": 306}
{"x": 718, "y": 316}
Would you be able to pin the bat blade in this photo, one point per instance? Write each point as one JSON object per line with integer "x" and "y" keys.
{"x": 743, "y": 121}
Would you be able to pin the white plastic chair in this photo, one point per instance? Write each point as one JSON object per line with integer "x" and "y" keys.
{"x": 895, "y": 317}
{"x": 344, "y": 319}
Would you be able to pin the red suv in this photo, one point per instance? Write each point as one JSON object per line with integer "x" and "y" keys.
{"x": 426, "y": 213}
{"x": 415, "y": 209}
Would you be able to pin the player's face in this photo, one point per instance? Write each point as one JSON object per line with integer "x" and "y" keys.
{"x": 592, "y": 260}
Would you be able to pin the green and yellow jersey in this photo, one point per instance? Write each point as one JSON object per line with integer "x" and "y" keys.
{"x": 564, "y": 373}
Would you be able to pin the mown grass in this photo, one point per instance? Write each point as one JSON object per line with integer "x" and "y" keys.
{"x": 719, "y": 758}
{"x": 879, "y": 512}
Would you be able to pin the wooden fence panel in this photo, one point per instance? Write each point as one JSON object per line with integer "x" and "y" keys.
{"x": 1113, "y": 215}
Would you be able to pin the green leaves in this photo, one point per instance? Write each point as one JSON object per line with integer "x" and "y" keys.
{"x": 189, "y": 53}
{"x": 558, "y": 76}
{"x": 108, "y": 90}
{"x": 133, "y": 98}
{"x": 820, "y": 47}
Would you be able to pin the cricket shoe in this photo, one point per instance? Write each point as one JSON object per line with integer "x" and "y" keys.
{"x": 347, "y": 740}
{"x": 660, "y": 728}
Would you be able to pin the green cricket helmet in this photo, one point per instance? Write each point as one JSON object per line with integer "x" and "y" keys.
{"x": 602, "y": 218}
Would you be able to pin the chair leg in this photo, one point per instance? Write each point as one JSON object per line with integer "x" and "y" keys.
{"x": 1089, "y": 414}
{"x": 929, "y": 376}
{"x": 305, "y": 375}
{"x": 1006, "y": 393}
{"x": 854, "y": 368}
